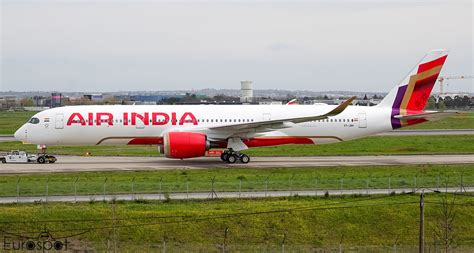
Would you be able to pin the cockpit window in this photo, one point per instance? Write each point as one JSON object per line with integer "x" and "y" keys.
{"x": 34, "y": 121}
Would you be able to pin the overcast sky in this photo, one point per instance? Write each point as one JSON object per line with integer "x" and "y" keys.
{"x": 155, "y": 45}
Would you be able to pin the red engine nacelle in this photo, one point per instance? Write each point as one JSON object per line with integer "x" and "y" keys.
{"x": 185, "y": 145}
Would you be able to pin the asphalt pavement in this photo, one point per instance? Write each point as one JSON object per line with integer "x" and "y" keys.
{"x": 209, "y": 195}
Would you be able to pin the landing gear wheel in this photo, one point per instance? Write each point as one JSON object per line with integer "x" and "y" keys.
{"x": 41, "y": 159}
{"x": 244, "y": 159}
{"x": 232, "y": 158}
{"x": 225, "y": 156}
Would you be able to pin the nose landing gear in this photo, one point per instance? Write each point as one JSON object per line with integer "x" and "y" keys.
{"x": 232, "y": 156}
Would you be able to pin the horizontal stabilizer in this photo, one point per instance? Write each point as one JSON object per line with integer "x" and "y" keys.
{"x": 429, "y": 116}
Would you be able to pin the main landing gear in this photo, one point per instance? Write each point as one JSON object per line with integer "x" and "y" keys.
{"x": 231, "y": 156}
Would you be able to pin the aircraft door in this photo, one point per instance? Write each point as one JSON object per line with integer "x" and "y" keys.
{"x": 362, "y": 120}
{"x": 59, "y": 121}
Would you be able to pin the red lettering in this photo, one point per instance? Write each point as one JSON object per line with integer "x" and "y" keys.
{"x": 156, "y": 122}
{"x": 104, "y": 117}
{"x": 143, "y": 118}
{"x": 125, "y": 118}
{"x": 191, "y": 119}
{"x": 157, "y": 118}
{"x": 173, "y": 118}
{"x": 90, "y": 118}
{"x": 72, "y": 119}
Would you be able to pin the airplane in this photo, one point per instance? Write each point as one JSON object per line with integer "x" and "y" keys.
{"x": 187, "y": 131}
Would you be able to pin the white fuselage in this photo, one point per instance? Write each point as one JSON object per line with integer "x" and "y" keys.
{"x": 120, "y": 124}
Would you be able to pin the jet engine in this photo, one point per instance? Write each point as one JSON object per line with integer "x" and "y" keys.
{"x": 185, "y": 145}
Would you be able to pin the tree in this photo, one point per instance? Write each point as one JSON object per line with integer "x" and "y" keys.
{"x": 26, "y": 102}
{"x": 444, "y": 230}
{"x": 465, "y": 101}
{"x": 441, "y": 105}
{"x": 448, "y": 102}
{"x": 431, "y": 104}
{"x": 110, "y": 101}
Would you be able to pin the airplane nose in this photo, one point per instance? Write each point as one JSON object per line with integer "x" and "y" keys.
{"x": 20, "y": 134}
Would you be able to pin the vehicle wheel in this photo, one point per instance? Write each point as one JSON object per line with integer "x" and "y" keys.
{"x": 41, "y": 159}
{"x": 232, "y": 159}
{"x": 4, "y": 161}
{"x": 245, "y": 159}
{"x": 224, "y": 156}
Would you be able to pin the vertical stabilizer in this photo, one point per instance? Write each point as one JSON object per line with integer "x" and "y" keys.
{"x": 411, "y": 95}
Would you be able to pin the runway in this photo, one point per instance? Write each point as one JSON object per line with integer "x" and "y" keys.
{"x": 208, "y": 195}
{"x": 108, "y": 163}
{"x": 5, "y": 138}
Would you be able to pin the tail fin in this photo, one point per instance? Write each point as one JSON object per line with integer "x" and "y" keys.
{"x": 413, "y": 92}
{"x": 411, "y": 95}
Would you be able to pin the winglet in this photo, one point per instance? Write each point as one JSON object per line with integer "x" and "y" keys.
{"x": 292, "y": 102}
{"x": 341, "y": 107}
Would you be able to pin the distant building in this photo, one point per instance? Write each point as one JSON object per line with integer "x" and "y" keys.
{"x": 246, "y": 92}
{"x": 56, "y": 99}
{"x": 94, "y": 97}
{"x": 270, "y": 102}
{"x": 146, "y": 98}
{"x": 8, "y": 101}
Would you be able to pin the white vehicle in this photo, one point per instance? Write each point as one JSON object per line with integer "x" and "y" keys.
{"x": 17, "y": 156}
{"x": 186, "y": 131}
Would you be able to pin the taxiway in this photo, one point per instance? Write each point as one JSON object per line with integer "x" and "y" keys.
{"x": 109, "y": 163}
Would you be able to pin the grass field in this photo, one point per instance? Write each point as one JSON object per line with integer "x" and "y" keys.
{"x": 11, "y": 121}
{"x": 386, "y": 145}
{"x": 254, "y": 225}
{"x": 462, "y": 121}
{"x": 181, "y": 180}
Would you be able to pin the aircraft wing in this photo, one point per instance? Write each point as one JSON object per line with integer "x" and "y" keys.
{"x": 281, "y": 123}
{"x": 430, "y": 116}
